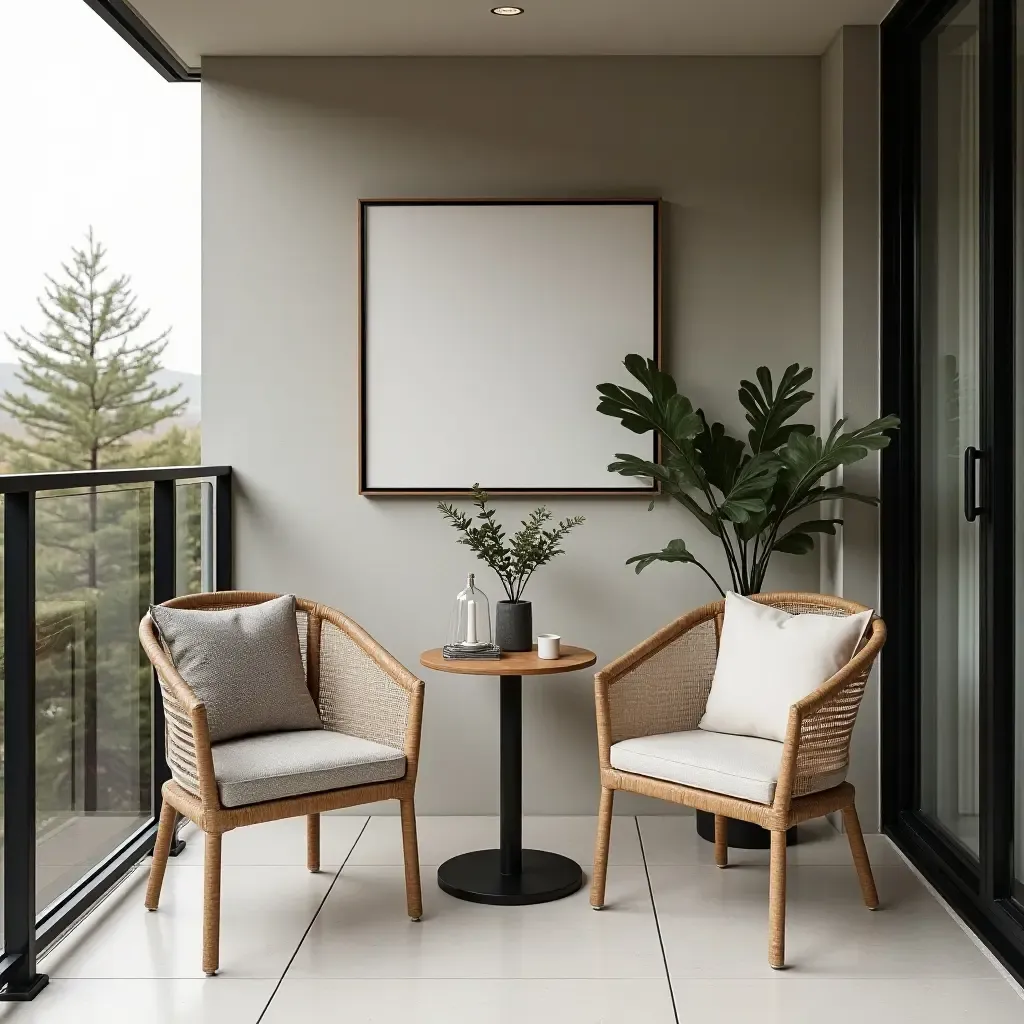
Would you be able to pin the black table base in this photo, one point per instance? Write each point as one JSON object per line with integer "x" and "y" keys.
{"x": 542, "y": 877}
{"x": 510, "y": 876}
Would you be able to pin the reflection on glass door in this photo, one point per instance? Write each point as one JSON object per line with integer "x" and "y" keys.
{"x": 949, "y": 423}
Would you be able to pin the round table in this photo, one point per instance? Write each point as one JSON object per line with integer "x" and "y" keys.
{"x": 510, "y": 875}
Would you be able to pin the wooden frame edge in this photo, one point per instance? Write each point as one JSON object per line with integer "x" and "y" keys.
{"x": 363, "y": 204}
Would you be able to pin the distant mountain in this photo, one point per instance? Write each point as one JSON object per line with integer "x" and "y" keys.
{"x": 190, "y": 388}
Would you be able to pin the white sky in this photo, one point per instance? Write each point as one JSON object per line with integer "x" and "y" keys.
{"x": 91, "y": 134}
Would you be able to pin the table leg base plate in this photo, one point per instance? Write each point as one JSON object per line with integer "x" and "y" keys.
{"x": 477, "y": 877}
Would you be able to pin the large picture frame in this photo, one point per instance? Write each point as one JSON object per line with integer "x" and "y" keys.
{"x": 485, "y": 326}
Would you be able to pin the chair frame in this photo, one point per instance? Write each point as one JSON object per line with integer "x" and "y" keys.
{"x": 192, "y": 790}
{"x": 818, "y": 732}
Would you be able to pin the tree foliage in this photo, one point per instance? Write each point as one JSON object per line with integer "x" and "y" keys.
{"x": 90, "y": 377}
{"x": 755, "y": 496}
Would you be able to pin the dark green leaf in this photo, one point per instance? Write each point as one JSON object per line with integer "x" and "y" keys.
{"x": 768, "y": 411}
{"x": 794, "y": 544}
{"x": 799, "y": 541}
{"x": 665, "y": 410}
{"x": 674, "y": 551}
{"x": 719, "y": 454}
{"x": 752, "y": 489}
{"x": 808, "y": 459}
{"x": 674, "y": 479}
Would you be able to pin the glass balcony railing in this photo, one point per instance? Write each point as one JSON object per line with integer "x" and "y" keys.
{"x": 84, "y": 554}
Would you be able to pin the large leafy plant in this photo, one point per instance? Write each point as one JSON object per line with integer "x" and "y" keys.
{"x": 514, "y": 559}
{"x": 757, "y": 496}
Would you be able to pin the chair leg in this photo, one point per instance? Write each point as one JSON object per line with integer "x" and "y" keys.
{"x": 410, "y": 849}
{"x": 777, "y": 902}
{"x": 211, "y": 904}
{"x": 162, "y": 850}
{"x": 604, "y": 833}
{"x": 860, "y": 857}
{"x": 313, "y": 842}
{"x": 721, "y": 841}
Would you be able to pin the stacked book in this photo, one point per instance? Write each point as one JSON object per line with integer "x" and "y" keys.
{"x": 458, "y": 652}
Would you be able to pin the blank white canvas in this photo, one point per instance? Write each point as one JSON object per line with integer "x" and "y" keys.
{"x": 488, "y": 329}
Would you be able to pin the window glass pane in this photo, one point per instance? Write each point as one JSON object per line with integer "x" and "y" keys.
{"x": 93, "y": 686}
{"x": 949, "y": 389}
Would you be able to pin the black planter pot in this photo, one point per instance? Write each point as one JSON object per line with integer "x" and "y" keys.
{"x": 741, "y": 835}
{"x": 513, "y": 625}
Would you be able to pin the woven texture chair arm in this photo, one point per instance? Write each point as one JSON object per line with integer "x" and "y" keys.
{"x": 821, "y": 725}
{"x": 186, "y": 733}
{"x": 662, "y": 684}
{"x": 363, "y": 690}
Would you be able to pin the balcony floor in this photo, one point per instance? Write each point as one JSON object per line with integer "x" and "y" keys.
{"x": 679, "y": 937}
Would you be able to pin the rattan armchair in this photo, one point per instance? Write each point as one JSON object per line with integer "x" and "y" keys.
{"x": 359, "y": 690}
{"x": 662, "y": 686}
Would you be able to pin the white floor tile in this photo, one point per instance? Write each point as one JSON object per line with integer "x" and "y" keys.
{"x": 560, "y": 962}
{"x": 143, "y": 1001}
{"x": 490, "y": 1000}
{"x": 673, "y": 839}
{"x": 264, "y": 913}
{"x": 714, "y": 924}
{"x": 792, "y": 1000}
{"x": 363, "y": 932}
{"x": 444, "y": 837}
{"x": 275, "y": 843}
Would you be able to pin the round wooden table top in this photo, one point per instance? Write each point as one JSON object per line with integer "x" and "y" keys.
{"x": 511, "y": 663}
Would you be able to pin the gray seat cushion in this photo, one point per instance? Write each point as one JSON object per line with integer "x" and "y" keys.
{"x": 283, "y": 764}
{"x": 244, "y": 664}
{"x": 742, "y": 766}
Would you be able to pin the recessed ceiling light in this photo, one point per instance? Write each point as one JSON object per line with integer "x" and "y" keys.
{"x": 506, "y": 12}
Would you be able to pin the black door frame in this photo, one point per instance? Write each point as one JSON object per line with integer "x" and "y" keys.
{"x": 982, "y": 890}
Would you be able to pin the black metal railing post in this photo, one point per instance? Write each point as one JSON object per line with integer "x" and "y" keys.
{"x": 23, "y": 980}
{"x": 165, "y": 561}
{"x": 223, "y": 578}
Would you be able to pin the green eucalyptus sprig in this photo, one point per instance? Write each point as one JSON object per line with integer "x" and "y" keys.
{"x": 754, "y": 495}
{"x": 516, "y": 560}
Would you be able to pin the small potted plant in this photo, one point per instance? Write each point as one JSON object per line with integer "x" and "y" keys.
{"x": 513, "y": 560}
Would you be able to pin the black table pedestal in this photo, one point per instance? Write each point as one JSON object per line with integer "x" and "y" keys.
{"x": 510, "y": 876}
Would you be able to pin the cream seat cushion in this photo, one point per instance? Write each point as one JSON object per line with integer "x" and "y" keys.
{"x": 742, "y": 766}
{"x": 276, "y": 765}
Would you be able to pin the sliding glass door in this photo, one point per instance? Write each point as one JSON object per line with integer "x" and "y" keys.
{"x": 953, "y": 370}
{"x": 949, "y": 383}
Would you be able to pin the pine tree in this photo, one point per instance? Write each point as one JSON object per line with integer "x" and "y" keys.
{"x": 91, "y": 386}
{"x": 91, "y": 400}
{"x": 93, "y": 378}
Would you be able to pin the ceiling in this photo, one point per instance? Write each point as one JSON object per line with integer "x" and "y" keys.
{"x": 193, "y": 28}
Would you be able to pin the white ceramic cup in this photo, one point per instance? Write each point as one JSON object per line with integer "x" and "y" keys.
{"x": 549, "y": 646}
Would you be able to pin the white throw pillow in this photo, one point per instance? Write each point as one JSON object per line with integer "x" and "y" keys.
{"x": 768, "y": 660}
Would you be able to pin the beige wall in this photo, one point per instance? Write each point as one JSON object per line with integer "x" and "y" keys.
{"x": 731, "y": 144}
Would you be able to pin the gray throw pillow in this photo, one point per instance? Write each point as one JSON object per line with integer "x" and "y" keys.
{"x": 244, "y": 664}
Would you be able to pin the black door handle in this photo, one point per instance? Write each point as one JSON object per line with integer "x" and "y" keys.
{"x": 971, "y": 458}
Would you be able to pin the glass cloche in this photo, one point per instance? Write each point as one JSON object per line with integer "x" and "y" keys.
{"x": 470, "y": 626}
